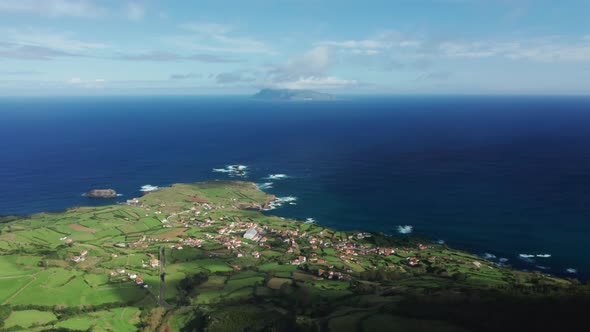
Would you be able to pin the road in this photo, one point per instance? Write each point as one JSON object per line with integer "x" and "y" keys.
{"x": 161, "y": 300}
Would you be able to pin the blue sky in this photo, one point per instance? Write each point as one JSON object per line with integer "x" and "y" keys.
{"x": 92, "y": 47}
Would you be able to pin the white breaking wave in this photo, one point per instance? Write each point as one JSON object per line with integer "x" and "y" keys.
{"x": 527, "y": 258}
{"x": 279, "y": 201}
{"x": 503, "y": 260}
{"x": 440, "y": 241}
{"x": 571, "y": 270}
{"x": 264, "y": 186}
{"x": 543, "y": 255}
{"x": 233, "y": 170}
{"x": 487, "y": 255}
{"x": 276, "y": 176}
{"x": 541, "y": 267}
{"x": 149, "y": 187}
{"x": 405, "y": 229}
{"x": 309, "y": 220}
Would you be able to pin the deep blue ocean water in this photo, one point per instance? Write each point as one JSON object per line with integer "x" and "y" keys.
{"x": 502, "y": 175}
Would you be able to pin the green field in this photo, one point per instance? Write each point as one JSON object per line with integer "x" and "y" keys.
{"x": 29, "y": 318}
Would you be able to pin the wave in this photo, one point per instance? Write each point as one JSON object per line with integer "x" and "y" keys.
{"x": 148, "y": 188}
{"x": 503, "y": 260}
{"x": 487, "y": 255}
{"x": 543, "y": 255}
{"x": 527, "y": 258}
{"x": 276, "y": 176}
{"x": 309, "y": 220}
{"x": 541, "y": 267}
{"x": 440, "y": 241}
{"x": 233, "y": 170}
{"x": 264, "y": 186}
{"x": 279, "y": 201}
{"x": 571, "y": 270}
{"x": 405, "y": 229}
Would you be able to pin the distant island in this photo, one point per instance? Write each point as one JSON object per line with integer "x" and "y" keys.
{"x": 293, "y": 95}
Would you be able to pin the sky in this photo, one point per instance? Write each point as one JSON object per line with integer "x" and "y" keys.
{"x": 119, "y": 47}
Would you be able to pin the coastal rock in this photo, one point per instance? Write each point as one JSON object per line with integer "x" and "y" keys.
{"x": 255, "y": 205}
{"x": 101, "y": 193}
{"x": 249, "y": 206}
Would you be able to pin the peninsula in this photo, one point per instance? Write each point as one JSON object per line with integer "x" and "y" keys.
{"x": 205, "y": 257}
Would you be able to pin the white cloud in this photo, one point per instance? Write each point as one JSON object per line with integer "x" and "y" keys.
{"x": 30, "y": 44}
{"x": 135, "y": 11}
{"x": 315, "y": 61}
{"x": 207, "y": 28}
{"x": 390, "y": 39}
{"x": 398, "y": 46}
{"x": 317, "y": 83}
{"x": 366, "y": 43}
{"x": 216, "y": 38}
{"x": 87, "y": 84}
{"x": 547, "y": 49}
{"x": 53, "y": 8}
{"x": 46, "y": 38}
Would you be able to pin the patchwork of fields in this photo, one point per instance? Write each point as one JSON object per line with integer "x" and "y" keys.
{"x": 228, "y": 265}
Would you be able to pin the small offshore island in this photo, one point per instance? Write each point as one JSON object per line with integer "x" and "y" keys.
{"x": 204, "y": 257}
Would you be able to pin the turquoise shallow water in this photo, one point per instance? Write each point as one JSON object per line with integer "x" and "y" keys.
{"x": 499, "y": 175}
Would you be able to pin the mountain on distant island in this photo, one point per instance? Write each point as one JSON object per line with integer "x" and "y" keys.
{"x": 291, "y": 94}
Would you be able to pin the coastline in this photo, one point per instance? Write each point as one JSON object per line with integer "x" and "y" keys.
{"x": 222, "y": 251}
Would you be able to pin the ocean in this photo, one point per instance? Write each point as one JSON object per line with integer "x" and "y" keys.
{"x": 505, "y": 177}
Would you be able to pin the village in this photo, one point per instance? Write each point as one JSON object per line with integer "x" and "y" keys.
{"x": 323, "y": 253}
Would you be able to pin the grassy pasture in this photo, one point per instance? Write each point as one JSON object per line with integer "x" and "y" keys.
{"x": 28, "y": 318}
{"x": 16, "y": 265}
{"x": 9, "y": 286}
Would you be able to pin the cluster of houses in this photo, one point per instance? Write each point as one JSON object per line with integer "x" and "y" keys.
{"x": 152, "y": 263}
{"x": 237, "y": 236}
{"x": 67, "y": 240}
{"x": 81, "y": 258}
{"x": 334, "y": 275}
{"x": 142, "y": 242}
{"x": 132, "y": 276}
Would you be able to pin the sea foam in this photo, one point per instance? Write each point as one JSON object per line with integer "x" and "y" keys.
{"x": 148, "y": 187}
{"x": 527, "y": 258}
{"x": 405, "y": 229}
{"x": 264, "y": 186}
{"x": 276, "y": 176}
{"x": 279, "y": 201}
{"x": 233, "y": 170}
{"x": 487, "y": 255}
